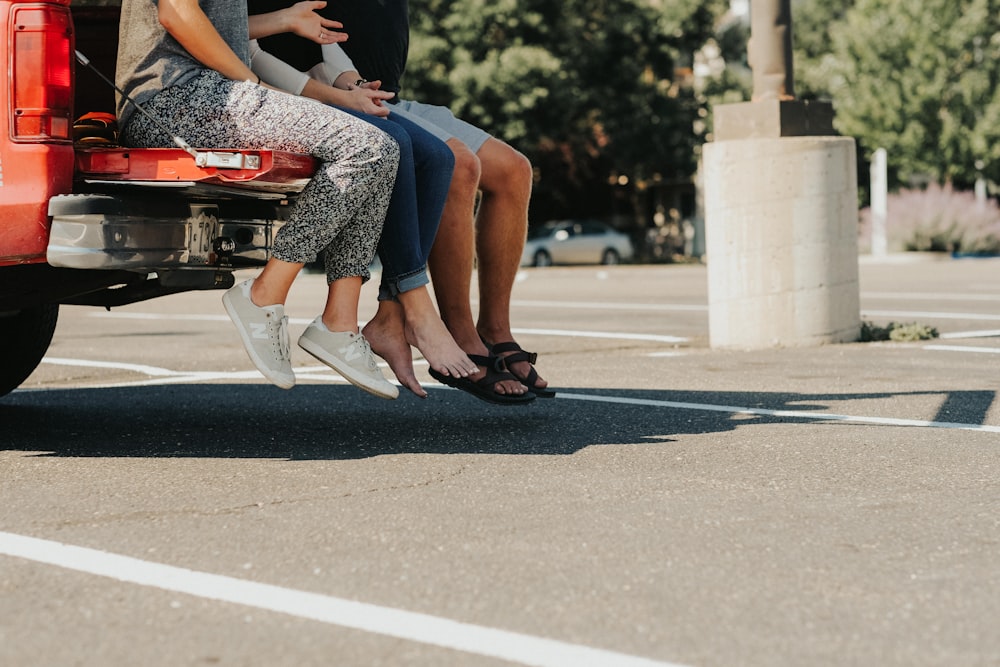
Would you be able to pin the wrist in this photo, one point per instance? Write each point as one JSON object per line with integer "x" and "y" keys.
{"x": 345, "y": 80}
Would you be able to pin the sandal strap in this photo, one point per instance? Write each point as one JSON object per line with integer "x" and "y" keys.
{"x": 495, "y": 371}
{"x": 491, "y": 363}
{"x": 531, "y": 380}
{"x": 518, "y": 353}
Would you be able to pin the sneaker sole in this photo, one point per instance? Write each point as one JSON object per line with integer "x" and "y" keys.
{"x": 278, "y": 380}
{"x": 382, "y": 389}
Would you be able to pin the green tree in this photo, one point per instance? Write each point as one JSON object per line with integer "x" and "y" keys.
{"x": 921, "y": 80}
{"x": 587, "y": 89}
{"x": 813, "y": 44}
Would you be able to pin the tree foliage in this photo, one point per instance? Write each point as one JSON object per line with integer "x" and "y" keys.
{"x": 813, "y": 44}
{"x": 587, "y": 89}
{"x": 920, "y": 79}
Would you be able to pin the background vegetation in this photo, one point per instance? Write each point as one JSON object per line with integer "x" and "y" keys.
{"x": 611, "y": 100}
{"x": 593, "y": 91}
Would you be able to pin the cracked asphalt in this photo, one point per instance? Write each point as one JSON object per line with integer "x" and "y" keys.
{"x": 836, "y": 505}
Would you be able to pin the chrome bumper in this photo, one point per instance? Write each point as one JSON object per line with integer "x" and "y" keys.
{"x": 142, "y": 233}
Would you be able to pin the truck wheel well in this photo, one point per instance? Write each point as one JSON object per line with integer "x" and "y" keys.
{"x": 26, "y": 335}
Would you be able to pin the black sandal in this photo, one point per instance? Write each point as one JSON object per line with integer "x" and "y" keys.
{"x": 531, "y": 379}
{"x": 483, "y": 388}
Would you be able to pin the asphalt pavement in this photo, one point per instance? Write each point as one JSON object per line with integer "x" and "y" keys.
{"x": 673, "y": 505}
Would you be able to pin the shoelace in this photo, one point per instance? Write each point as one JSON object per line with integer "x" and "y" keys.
{"x": 280, "y": 343}
{"x": 366, "y": 349}
{"x": 286, "y": 345}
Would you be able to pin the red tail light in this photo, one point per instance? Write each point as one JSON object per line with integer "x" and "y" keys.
{"x": 42, "y": 82}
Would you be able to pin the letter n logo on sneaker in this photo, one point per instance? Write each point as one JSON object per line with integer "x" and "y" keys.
{"x": 258, "y": 330}
{"x": 350, "y": 353}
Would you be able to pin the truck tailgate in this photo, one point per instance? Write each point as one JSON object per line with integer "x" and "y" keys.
{"x": 260, "y": 170}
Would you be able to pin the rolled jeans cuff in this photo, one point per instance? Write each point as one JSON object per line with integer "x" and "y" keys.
{"x": 390, "y": 289}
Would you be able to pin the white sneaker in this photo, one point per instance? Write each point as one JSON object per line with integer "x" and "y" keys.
{"x": 264, "y": 330}
{"x": 350, "y": 355}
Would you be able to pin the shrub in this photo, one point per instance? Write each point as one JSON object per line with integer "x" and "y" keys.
{"x": 937, "y": 219}
{"x": 895, "y": 331}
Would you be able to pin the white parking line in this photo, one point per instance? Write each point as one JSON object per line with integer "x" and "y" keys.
{"x": 963, "y": 348}
{"x": 412, "y": 626}
{"x": 595, "y": 305}
{"x": 659, "y": 338}
{"x": 989, "y": 333}
{"x": 796, "y": 414}
{"x": 162, "y": 376}
{"x": 615, "y": 335}
{"x": 932, "y": 315}
{"x": 930, "y": 296}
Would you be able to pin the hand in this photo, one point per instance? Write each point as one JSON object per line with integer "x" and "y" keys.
{"x": 303, "y": 19}
{"x": 372, "y": 85}
{"x": 369, "y": 100}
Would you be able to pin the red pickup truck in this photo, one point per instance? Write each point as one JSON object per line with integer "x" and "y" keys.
{"x": 84, "y": 221}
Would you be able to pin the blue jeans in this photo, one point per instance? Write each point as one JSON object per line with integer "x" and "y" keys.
{"x": 422, "y": 181}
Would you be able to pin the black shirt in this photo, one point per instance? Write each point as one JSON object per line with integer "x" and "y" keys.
{"x": 378, "y": 37}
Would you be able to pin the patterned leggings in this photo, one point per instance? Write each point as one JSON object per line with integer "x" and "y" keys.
{"x": 341, "y": 209}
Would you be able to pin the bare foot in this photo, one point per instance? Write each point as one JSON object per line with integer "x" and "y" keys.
{"x": 387, "y": 338}
{"x": 426, "y": 332}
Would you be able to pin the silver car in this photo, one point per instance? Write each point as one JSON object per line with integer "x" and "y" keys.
{"x": 575, "y": 242}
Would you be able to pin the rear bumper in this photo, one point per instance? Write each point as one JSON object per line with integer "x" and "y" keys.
{"x": 135, "y": 231}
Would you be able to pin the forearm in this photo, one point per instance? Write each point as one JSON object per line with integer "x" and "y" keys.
{"x": 327, "y": 94}
{"x": 275, "y": 71}
{"x": 338, "y": 68}
{"x": 272, "y": 23}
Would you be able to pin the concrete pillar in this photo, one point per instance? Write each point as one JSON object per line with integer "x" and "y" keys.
{"x": 781, "y": 217}
{"x": 781, "y": 208}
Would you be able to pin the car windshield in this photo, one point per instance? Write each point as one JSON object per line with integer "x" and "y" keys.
{"x": 546, "y": 230}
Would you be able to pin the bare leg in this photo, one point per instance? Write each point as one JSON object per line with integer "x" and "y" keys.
{"x": 452, "y": 257}
{"x": 342, "y": 299}
{"x": 501, "y": 228}
{"x": 272, "y": 285}
{"x": 386, "y": 334}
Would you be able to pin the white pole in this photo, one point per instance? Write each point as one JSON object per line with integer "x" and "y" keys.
{"x": 880, "y": 202}
{"x": 981, "y": 191}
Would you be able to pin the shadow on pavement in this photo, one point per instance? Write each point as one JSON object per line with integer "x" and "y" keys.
{"x": 341, "y": 422}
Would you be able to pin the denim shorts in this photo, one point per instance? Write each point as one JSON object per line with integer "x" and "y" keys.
{"x": 442, "y": 123}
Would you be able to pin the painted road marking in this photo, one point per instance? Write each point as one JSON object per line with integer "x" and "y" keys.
{"x": 540, "y": 332}
{"x": 763, "y": 412}
{"x": 989, "y": 333}
{"x": 166, "y": 376}
{"x": 963, "y": 348}
{"x": 423, "y": 628}
{"x": 162, "y": 377}
{"x": 587, "y": 305}
{"x": 930, "y": 296}
{"x": 930, "y": 315}
{"x": 602, "y": 334}
{"x": 594, "y": 305}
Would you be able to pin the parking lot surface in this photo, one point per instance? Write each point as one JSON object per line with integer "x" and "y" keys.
{"x": 160, "y": 504}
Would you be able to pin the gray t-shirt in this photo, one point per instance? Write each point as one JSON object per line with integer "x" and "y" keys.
{"x": 149, "y": 59}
